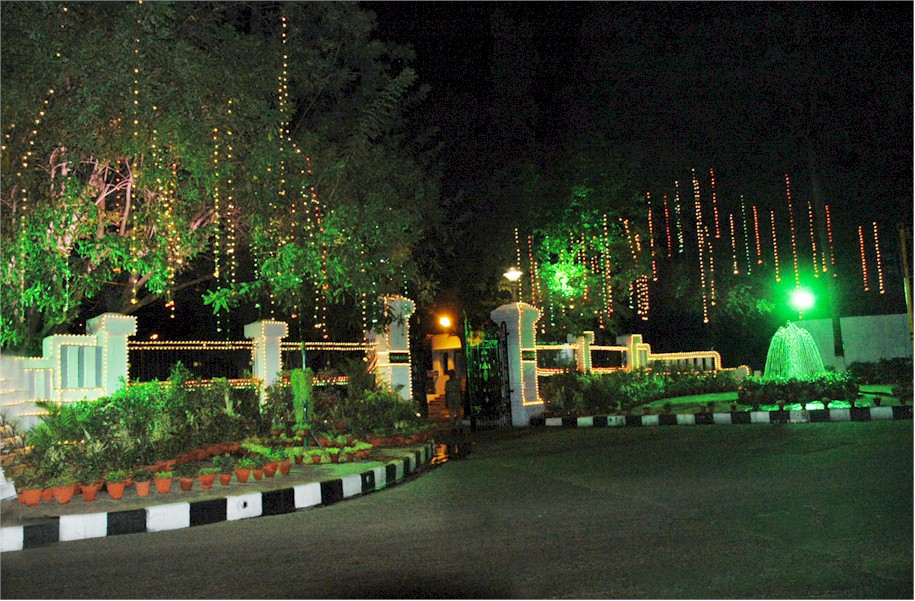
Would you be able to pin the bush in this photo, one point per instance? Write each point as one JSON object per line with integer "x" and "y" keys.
{"x": 884, "y": 371}
{"x": 828, "y": 386}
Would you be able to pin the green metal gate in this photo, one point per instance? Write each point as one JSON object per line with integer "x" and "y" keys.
{"x": 488, "y": 386}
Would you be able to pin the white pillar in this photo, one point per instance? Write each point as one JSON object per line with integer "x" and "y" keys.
{"x": 582, "y": 350}
{"x": 268, "y": 360}
{"x": 111, "y": 330}
{"x": 636, "y": 351}
{"x": 392, "y": 347}
{"x": 520, "y": 320}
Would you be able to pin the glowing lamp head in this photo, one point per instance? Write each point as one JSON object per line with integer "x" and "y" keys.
{"x": 444, "y": 321}
{"x": 802, "y": 299}
{"x": 513, "y": 274}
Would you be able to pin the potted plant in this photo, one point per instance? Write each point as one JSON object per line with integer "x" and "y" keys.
{"x": 64, "y": 486}
{"x": 243, "y": 468}
{"x": 257, "y": 469}
{"x": 317, "y": 455}
{"x": 115, "y": 483}
{"x": 208, "y": 476}
{"x": 347, "y": 453}
{"x": 333, "y": 453}
{"x": 142, "y": 479}
{"x": 29, "y": 487}
{"x": 363, "y": 449}
{"x": 187, "y": 473}
{"x": 90, "y": 479}
{"x": 296, "y": 454}
{"x": 163, "y": 482}
{"x": 225, "y": 464}
{"x": 301, "y": 429}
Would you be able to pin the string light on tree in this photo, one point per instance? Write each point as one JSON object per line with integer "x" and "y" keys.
{"x": 797, "y": 273}
{"x": 778, "y": 277}
{"x": 863, "y": 258}
{"x": 654, "y": 265}
{"x": 700, "y": 234}
{"x": 813, "y": 241}
{"x": 667, "y": 227}
{"x": 759, "y": 258}
{"x": 715, "y": 204}
{"x": 746, "y": 233}
{"x": 677, "y": 219}
{"x": 879, "y": 261}
{"x": 832, "y": 252}
{"x": 733, "y": 244}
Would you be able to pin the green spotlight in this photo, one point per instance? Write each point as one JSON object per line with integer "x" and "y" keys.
{"x": 802, "y": 299}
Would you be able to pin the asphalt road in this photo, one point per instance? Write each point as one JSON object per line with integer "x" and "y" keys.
{"x": 753, "y": 511}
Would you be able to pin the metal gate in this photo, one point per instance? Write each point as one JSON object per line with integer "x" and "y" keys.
{"x": 488, "y": 386}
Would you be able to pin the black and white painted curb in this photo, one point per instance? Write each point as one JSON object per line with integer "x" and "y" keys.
{"x": 199, "y": 513}
{"x": 855, "y": 414}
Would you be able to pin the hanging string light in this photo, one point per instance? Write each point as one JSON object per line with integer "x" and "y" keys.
{"x": 778, "y": 277}
{"x": 532, "y": 270}
{"x": 700, "y": 234}
{"x": 715, "y": 204}
{"x": 518, "y": 263}
{"x": 863, "y": 258}
{"x": 733, "y": 244}
{"x": 654, "y": 265}
{"x": 677, "y": 219}
{"x": 608, "y": 282}
{"x": 879, "y": 261}
{"x": 667, "y": 227}
{"x": 759, "y": 258}
{"x": 230, "y": 208}
{"x": 832, "y": 252}
{"x": 797, "y": 273}
{"x": 813, "y": 241}
{"x": 746, "y": 233}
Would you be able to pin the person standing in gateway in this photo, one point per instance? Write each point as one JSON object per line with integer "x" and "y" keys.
{"x": 453, "y": 399}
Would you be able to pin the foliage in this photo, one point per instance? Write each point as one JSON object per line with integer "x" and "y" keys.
{"x": 115, "y": 476}
{"x": 903, "y": 392}
{"x": 576, "y": 393}
{"x": 301, "y": 382}
{"x": 225, "y": 463}
{"x": 142, "y": 474}
{"x": 884, "y": 371}
{"x": 829, "y": 386}
{"x": 164, "y": 475}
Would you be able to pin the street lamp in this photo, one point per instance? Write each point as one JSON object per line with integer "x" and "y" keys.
{"x": 444, "y": 321}
{"x": 802, "y": 299}
{"x": 513, "y": 275}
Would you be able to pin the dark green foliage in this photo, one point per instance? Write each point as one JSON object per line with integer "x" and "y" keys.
{"x": 884, "y": 371}
{"x": 829, "y": 386}
{"x": 575, "y": 393}
{"x": 302, "y": 383}
{"x": 903, "y": 392}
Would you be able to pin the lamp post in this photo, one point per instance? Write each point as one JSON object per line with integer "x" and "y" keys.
{"x": 513, "y": 275}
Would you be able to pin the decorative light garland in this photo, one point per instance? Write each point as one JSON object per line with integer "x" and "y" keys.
{"x": 667, "y": 227}
{"x": 746, "y": 233}
{"x": 654, "y": 265}
{"x": 759, "y": 258}
{"x": 733, "y": 244}
{"x": 677, "y": 219}
{"x": 813, "y": 241}
{"x": 700, "y": 234}
{"x": 778, "y": 277}
{"x": 863, "y": 258}
{"x": 715, "y": 204}
{"x": 879, "y": 261}
{"x": 797, "y": 273}
{"x": 832, "y": 252}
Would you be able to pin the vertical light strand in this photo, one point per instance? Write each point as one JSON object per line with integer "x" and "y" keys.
{"x": 677, "y": 219}
{"x": 715, "y": 204}
{"x": 778, "y": 277}
{"x": 530, "y": 268}
{"x": 700, "y": 235}
{"x": 813, "y": 240}
{"x": 654, "y": 263}
{"x": 797, "y": 273}
{"x": 746, "y": 233}
{"x": 518, "y": 263}
{"x": 733, "y": 244}
{"x": 632, "y": 283}
{"x": 230, "y": 206}
{"x": 759, "y": 258}
{"x": 879, "y": 261}
{"x": 832, "y": 251}
{"x": 863, "y": 258}
{"x": 667, "y": 227}
{"x": 608, "y": 282}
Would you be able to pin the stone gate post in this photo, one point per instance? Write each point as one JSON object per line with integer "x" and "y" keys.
{"x": 520, "y": 321}
{"x": 268, "y": 359}
{"x": 111, "y": 331}
{"x": 392, "y": 347}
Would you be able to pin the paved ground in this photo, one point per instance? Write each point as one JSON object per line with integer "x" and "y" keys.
{"x": 753, "y": 511}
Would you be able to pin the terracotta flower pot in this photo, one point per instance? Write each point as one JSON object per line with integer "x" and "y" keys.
{"x": 186, "y": 483}
{"x": 225, "y": 479}
{"x": 90, "y": 491}
{"x": 242, "y": 473}
{"x": 163, "y": 485}
{"x": 115, "y": 489}
{"x": 63, "y": 494}
{"x": 258, "y": 474}
{"x": 316, "y": 459}
{"x": 334, "y": 457}
{"x": 284, "y": 467}
{"x": 207, "y": 480}
{"x": 270, "y": 469}
{"x": 143, "y": 487}
{"x": 30, "y": 496}
{"x": 47, "y": 495}
{"x": 299, "y": 459}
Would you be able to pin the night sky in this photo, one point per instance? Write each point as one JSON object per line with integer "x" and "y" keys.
{"x": 739, "y": 87}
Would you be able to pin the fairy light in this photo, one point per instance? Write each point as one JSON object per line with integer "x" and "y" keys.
{"x": 778, "y": 277}
{"x": 832, "y": 252}
{"x": 667, "y": 227}
{"x": 879, "y": 261}
{"x": 518, "y": 263}
{"x": 713, "y": 293}
{"x": 230, "y": 201}
{"x": 216, "y": 208}
{"x": 759, "y": 259}
{"x": 797, "y": 273}
{"x": 863, "y": 258}
{"x": 608, "y": 282}
{"x": 531, "y": 270}
{"x": 677, "y": 219}
{"x": 715, "y": 204}
{"x": 654, "y": 265}
{"x": 733, "y": 244}
{"x": 320, "y": 317}
{"x": 746, "y": 233}
{"x": 700, "y": 233}
{"x": 813, "y": 241}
